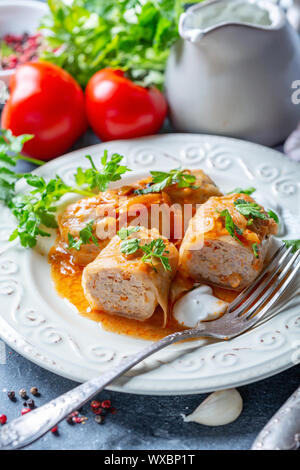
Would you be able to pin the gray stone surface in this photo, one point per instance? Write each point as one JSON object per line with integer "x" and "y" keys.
{"x": 144, "y": 422}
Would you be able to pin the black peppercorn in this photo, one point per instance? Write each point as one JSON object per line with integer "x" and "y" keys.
{"x": 69, "y": 419}
{"x": 11, "y": 395}
{"x": 30, "y": 403}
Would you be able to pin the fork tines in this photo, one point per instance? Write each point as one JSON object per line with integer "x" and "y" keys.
{"x": 268, "y": 286}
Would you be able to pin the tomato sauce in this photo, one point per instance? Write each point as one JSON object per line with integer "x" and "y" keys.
{"x": 66, "y": 276}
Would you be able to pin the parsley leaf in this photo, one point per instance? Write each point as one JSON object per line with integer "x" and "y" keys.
{"x": 8, "y": 180}
{"x": 95, "y": 179}
{"x": 74, "y": 243}
{"x": 253, "y": 210}
{"x": 155, "y": 249}
{"x": 273, "y": 215}
{"x": 249, "y": 209}
{"x": 130, "y": 246}
{"x": 230, "y": 226}
{"x": 124, "y": 232}
{"x": 294, "y": 243}
{"x": 10, "y": 148}
{"x": 255, "y": 250}
{"x": 248, "y": 191}
{"x": 85, "y": 237}
{"x": 86, "y": 234}
{"x": 161, "y": 179}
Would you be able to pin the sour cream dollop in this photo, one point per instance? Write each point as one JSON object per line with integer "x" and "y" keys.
{"x": 197, "y": 305}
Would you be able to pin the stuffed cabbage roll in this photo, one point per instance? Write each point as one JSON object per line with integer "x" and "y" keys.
{"x": 122, "y": 282}
{"x": 108, "y": 211}
{"x": 226, "y": 242}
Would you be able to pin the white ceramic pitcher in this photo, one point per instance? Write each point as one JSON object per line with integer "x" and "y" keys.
{"x": 235, "y": 78}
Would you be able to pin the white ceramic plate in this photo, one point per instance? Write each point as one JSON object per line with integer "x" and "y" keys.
{"x": 46, "y": 329}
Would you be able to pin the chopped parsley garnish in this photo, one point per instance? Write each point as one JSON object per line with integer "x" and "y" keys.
{"x": 74, "y": 242}
{"x": 95, "y": 179}
{"x": 155, "y": 249}
{"x": 294, "y": 243}
{"x": 162, "y": 179}
{"x": 85, "y": 237}
{"x": 249, "y": 209}
{"x": 124, "y": 232}
{"x": 255, "y": 250}
{"x": 273, "y": 215}
{"x": 248, "y": 191}
{"x": 230, "y": 226}
{"x": 128, "y": 247}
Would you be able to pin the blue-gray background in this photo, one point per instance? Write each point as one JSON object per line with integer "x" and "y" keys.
{"x": 142, "y": 422}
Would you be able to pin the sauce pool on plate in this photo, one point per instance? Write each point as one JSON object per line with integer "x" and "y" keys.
{"x": 66, "y": 276}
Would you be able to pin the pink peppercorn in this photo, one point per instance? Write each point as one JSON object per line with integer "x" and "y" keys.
{"x": 54, "y": 430}
{"x": 25, "y": 48}
{"x": 95, "y": 404}
{"x": 3, "y": 419}
{"x": 106, "y": 404}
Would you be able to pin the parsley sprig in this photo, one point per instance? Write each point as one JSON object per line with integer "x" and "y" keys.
{"x": 234, "y": 231}
{"x": 273, "y": 215}
{"x": 255, "y": 250}
{"x": 162, "y": 179}
{"x": 155, "y": 249}
{"x": 10, "y": 152}
{"x": 86, "y": 237}
{"x": 35, "y": 210}
{"x": 230, "y": 226}
{"x": 252, "y": 210}
{"x": 294, "y": 243}
{"x": 249, "y": 209}
{"x": 100, "y": 179}
{"x": 124, "y": 232}
{"x": 248, "y": 191}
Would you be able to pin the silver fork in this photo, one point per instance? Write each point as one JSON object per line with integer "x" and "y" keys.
{"x": 241, "y": 316}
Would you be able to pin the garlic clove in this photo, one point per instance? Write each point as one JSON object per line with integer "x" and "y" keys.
{"x": 219, "y": 408}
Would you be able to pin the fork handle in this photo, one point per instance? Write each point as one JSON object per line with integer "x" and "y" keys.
{"x": 30, "y": 427}
{"x": 282, "y": 432}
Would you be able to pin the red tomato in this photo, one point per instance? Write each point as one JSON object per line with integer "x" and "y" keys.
{"x": 117, "y": 108}
{"x": 47, "y": 102}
